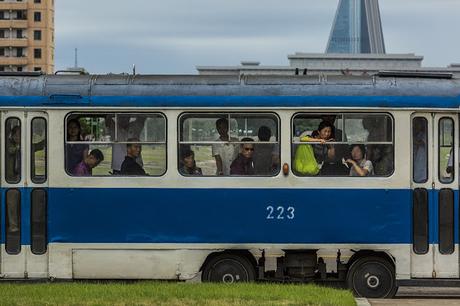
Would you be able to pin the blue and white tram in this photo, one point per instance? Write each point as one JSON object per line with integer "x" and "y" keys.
{"x": 399, "y": 225}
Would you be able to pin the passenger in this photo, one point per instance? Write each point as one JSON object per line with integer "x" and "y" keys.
{"x": 188, "y": 163}
{"x": 382, "y": 159}
{"x": 13, "y": 155}
{"x": 75, "y": 153}
{"x": 359, "y": 165}
{"x": 127, "y": 129}
{"x": 130, "y": 166}
{"x": 322, "y": 135}
{"x": 243, "y": 164}
{"x": 92, "y": 160}
{"x": 420, "y": 138}
{"x": 224, "y": 153}
{"x": 266, "y": 156}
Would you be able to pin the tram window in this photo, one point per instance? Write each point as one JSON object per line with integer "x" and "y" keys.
{"x": 446, "y": 156}
{"x": 229, "y": 144}
{"x": 420, "y": 149}
{"x": 13, "y": 154}
{"x": 337, "y": 144}
{"x": 38, "y": 150}
{"x": 13, "y": 222}
{"x": 113, "y": 135}
{"x": 38, "y": 223}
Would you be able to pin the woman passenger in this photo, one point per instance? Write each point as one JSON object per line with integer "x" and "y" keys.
{"x": 322, "y": 135}
{"x": 75, "y": 153}
{"x": 188, "y": 164}
{"x": 359, "y": 165}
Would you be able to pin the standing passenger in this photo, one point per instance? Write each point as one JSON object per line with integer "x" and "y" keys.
{"x": 75, "y": 153}
{"x": 266, "y": 156}
{"x": 13, "y": 155}
{"x": 243, "y": 164}
{"x": 224, "y": 153}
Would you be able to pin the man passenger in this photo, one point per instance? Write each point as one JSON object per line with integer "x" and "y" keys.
{"x": 129, "y": 165}
{"x": 92, "y": 160}
{"x": 224, "y": 153}
{"x": 243, "y": 164}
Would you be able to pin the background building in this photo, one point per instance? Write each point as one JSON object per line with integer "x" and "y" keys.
{"x": 27, "y": 35}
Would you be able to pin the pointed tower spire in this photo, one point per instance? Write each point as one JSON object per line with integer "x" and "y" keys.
{"x": 357, "y": 28}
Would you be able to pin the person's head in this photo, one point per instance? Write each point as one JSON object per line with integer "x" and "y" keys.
{"x": 73, "y": 129}
{"x": 325, "y": 130}
{"x": 133, "y": 149}
{"x": 247, "y": 148}
{"x": 16, "y": 134}
{"x": 358, "y": 151}
{"x": 123, "y": 122}
{"x": 264, "y": 133}
{"x": 94, "y": 158}
{"x": 188, "y": 158}
{"x": 329, "y": 118}
{"x": 222, "y": 127}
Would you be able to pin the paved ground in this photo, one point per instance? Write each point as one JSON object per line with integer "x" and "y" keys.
{"x": 408, "y": 296}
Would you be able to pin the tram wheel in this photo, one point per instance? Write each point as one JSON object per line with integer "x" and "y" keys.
{"x": 372, "y": 277}
{"x": 228, "y": 268}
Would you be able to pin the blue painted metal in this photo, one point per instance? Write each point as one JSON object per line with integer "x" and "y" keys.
{"x": 234, "y": 101}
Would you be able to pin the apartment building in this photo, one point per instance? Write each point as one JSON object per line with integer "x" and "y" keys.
{"x": 27, "y": 35}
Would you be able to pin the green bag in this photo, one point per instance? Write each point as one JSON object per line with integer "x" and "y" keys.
{"x": 305, "y": 161}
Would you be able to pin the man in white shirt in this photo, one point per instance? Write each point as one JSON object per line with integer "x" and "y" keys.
{"x": 224, "y": 153}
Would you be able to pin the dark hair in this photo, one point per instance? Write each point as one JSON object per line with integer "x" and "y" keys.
{"x": 77, "y": 122}
{"x": 128, "y": 145}
{"x": 360, "y": 146}
{"x": 97, "y": 154}
{"x": 264, "y": 133}
{"x": 221, "y": 121}
{"x": 325, "y": 124}
{"x": 186, "y": 153}
{"x": 247, "y": 139}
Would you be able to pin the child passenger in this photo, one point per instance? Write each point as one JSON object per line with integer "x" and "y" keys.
{"x": 359, "y": 165}
{"x": 188, "y": 163}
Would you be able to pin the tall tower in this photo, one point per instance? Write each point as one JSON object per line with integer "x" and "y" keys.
{"x": 357, "y": 28}
{"x": 27, "y": 35}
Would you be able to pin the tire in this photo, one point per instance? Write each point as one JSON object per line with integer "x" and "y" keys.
{"x": 228, "y": 268}
{"x": 372, "y": 277}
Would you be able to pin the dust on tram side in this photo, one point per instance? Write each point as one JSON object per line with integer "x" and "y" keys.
{"x": 350, "y": 180}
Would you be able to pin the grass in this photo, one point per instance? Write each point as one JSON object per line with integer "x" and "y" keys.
{"x": 162, "y": 293}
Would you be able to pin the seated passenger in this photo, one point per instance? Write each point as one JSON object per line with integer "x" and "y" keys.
{"x": 243, "y": 164}
{"x": 382, "y": 159}
{"x": 75, "y": 153}
{"x": 266, "y": 156}
{"x": 188, "y": 163}
{"x": 359, "y": 165}
{"x": 92, "y": 160}
{"x": 129, "y": 165}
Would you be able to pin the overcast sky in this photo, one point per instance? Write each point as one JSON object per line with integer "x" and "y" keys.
{"x": 174, "y": 36}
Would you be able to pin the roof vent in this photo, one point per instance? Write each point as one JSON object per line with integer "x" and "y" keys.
{"x": 250, "y": 63}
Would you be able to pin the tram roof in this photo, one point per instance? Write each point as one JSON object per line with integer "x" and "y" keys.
{"x": 387, "y": 90}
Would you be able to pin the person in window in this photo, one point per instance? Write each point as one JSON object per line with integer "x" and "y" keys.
{"x": 130, "y": 166}
{"x": 359, "y": 166}
{"x": 128, "y": 128}
{"x": 75, "y": 153}
{"x": 382, "y": 159}
{"x": 224, "y": 153}
{"x": 266, "y": 156}
{"x": 244, "y": 164}
{"x": 188, "y": 163}
{"x": 420, "y": 137}
{"x": 92, "y": 160}
{"x": 13, "y": 155}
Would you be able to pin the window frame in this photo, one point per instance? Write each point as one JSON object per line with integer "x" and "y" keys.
{"x": 440, "y": 179}
{"x": 228, "y": 114}
{"x": 111, "y": 143}
{"x": 425, "y": 120}
{"x": 21, "y": 151}
{"x": 32, "y": 153}
{"x": 366, "y": 143}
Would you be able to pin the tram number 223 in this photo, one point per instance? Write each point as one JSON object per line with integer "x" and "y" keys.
{"x": 280, "y": 213}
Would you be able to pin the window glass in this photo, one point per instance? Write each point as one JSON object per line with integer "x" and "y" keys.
{"x": 116, "y": 144}
{"x": 446, "y": 151}
{"x": 38, "y": 151}
{"x": 38, "y": 226}
{"x": 335, "y": 144}
{"x": 13, "y": 154}
{"x": 13, "y": 222}
{"x": 420, "y": 149}
{"x": 229, "y": 145}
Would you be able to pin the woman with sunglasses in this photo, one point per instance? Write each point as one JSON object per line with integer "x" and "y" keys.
{"x": 244, "y": 164}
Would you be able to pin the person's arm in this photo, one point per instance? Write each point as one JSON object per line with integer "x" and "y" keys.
{"x": 357, "y": 168}
{"x": 219, "y": 165}
{"x": 311, "y": 139}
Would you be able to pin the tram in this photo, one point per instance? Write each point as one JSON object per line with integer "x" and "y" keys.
{"x": 183, "y": 177}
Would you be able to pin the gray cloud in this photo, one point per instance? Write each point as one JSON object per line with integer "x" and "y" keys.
{"x": 176, "y": 35}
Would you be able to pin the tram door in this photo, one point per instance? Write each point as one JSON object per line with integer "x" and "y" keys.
{"x": 24, "y": 180}
{"x": 435, "y": 208}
